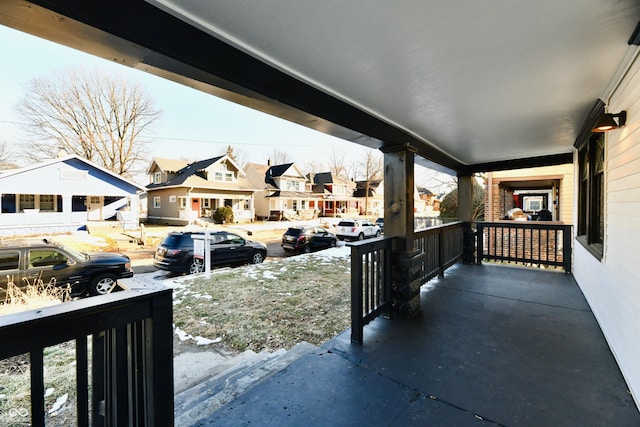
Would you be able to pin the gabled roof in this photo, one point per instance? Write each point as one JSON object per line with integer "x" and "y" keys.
{"x": 361, "y": 188}
{"x": 167, "y": 165}
{"x": 188, "y": 176}
{"x": 70, "y": 159}
{"x": 277, "y": 171}
{"x": 195, "y": 167}
{"x": 258, "y": 177}
{"x": 323, "y": 178}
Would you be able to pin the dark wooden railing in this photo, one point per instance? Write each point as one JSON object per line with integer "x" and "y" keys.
{"x": 526, "y": 242}
{"x": 371, "y": 282}
{"x": 131, "y": 360}
{"x": 372, "y": 262}
{"x": 443, "y": 246}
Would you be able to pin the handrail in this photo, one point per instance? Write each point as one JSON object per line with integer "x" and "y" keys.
{"x": 443, "y": 245}
{"x": 526, "y": 242}
{"x": 373, "y": 261}
{"x": 132, "y": 355}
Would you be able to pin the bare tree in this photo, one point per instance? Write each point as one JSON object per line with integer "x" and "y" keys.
{"x": 370, "y": 168}
{"x": 100, "y": 117}
{"x": 337, "y": 165}
{"x": 313, "y": 167}
{"x": 239, "y": 156}
{"x": 6, "y": 157}
{"x": 278, "y": 157}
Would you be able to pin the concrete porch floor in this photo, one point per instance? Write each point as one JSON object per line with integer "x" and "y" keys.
{"x": 493, "y": 346}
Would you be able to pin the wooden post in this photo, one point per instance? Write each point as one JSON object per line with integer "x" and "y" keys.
{"x": 465, "y": 214}
{"x": 399, "y": 222}
{"x": 398, "y": 195}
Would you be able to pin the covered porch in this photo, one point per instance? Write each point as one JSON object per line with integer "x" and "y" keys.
{"x": 462, "y": 88}
{"x": 493, "y": 345}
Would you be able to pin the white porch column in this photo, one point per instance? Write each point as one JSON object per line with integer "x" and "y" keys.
{"x": 67, "y": 209}
{"x": 134, "y": 206}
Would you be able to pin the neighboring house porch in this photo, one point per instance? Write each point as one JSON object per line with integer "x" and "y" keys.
{"x": 336, "y": 197}
{"x": 531, "y": 189}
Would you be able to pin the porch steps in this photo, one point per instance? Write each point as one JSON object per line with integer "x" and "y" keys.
{"x": 205, "y": 398}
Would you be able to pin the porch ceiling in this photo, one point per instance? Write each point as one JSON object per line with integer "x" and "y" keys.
{"x": 463, "y": 82}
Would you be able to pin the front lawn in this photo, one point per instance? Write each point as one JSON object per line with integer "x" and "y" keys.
{"x": 268, "y": 306}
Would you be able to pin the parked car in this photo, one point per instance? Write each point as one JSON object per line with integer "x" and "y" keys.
{"x": 380, "y": 223}
{"x": 307, "y": 238}
{"x": 357, "y": 229}
{"x": 26, "y": 261}
{"x": 175, "y": 252}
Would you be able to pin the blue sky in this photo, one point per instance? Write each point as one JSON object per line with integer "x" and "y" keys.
{"x": 193, "y": 125}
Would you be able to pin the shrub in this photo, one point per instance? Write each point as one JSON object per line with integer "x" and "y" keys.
{"x": 223, "y": 214}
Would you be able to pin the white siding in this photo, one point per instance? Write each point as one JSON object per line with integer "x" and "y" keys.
{"x": 612, "y": 286}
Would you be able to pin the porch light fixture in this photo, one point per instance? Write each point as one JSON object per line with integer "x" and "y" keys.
{"x": 607, "y": 122}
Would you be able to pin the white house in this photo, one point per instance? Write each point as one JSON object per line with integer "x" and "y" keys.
{"x": 62, "y": 195}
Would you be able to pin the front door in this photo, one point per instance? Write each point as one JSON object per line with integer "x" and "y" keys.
{"x": 195, "y": 205}
{"x": 94, "y": 208}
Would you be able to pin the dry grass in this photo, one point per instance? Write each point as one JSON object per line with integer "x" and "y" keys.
{"x": 35, "y": 295}
{"x": 268, "y": 306}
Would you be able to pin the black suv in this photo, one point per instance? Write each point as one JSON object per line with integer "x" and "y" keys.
{"x": 307, "y": 239}
{"x": 175, "y": 252}
{"x": 26, "y": 261}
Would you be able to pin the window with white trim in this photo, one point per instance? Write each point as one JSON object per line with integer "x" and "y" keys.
{"x": 156, "y": 202}
{"x": 27, "y": 201}
{"x": 293, "y": 185}
{"x": 183, "y": 202}
{"x": 157, "y": 177}
{"x": 47, "y": 202}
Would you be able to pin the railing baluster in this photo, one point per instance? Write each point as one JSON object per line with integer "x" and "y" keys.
{"x": 82, "y": 381}
{"x": 528, "y": 243}
{"x": 37, "y": 386}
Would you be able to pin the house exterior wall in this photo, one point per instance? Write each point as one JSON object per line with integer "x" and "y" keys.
{"x": 612, "y": 285}
{"x": 176, "y": 207}
{"x": 169, "y": 209}
{"x": 260, "y": 200}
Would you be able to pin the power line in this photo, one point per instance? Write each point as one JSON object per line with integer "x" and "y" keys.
{"x": 150, "y": 139}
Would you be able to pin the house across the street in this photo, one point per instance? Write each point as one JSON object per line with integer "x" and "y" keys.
{"x": 182, "y": 192}
{"x": 64, "y": 194}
